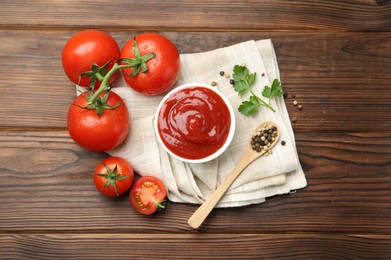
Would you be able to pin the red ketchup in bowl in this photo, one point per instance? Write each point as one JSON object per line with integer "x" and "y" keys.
{"x": 194, "y": 122}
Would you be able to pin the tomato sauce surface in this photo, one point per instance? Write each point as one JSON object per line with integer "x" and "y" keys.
{"x": 194, "y": 122}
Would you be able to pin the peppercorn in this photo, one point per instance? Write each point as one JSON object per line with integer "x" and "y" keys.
{"x": 295, "y": 102}
{"x": 222, "y": 73}
{"x": 232, "y": 81}
{"x": 300, "y": 107}
{"x": 214, "y": 83}
{"x": 283, "y": 142}
{"x": 285, "y": 95}
{"x": 262, "y": 139}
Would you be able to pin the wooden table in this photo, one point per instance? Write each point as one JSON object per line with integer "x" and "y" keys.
{"x": 334, "y": 56}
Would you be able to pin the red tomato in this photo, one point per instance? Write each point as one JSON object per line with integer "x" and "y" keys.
{"x": 147, "y": 194}
{"x": 163, "y": 68}
{"x": 113, "y": 176}
{"x": 85, "y": 49}
{"x": 98, "y": 132}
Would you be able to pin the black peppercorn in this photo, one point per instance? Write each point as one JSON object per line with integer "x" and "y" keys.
{"x": 263, "y": 138}
{"x": 232, "y": 81}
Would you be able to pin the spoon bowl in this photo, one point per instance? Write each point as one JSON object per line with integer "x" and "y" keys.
{"x": 264, "y": 138}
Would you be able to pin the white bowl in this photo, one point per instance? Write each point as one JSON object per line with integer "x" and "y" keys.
{"x": 231, "y": 128}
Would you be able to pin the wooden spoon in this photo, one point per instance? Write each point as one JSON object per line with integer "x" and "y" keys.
{"x": 249, "y": 155}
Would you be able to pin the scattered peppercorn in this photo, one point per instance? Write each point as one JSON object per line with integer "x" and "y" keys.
{"x": 300, "y": 107}
{"x": 227, "y": 75}
{"x": 295, "y": 102}
{"x": 222, "y": 73}
{"x": 214, "y": 83}
{"x": 283, "y": 142}
{"x": 231, "y": 81}
{"x": 263, "y": 74}
{"x": 285, "y": 95}
{"x": 263, "y": 138}
{"x": 294, "y": 119}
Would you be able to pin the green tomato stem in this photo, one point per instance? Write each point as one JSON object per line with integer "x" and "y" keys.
{"x": 99, "y": 76}
{"x": 104, "y": 86}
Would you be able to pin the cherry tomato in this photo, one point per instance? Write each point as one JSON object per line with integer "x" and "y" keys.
{"x": 98, "y": 132}
{"x": 113, "y": 176}
{"x": 162, "y": 69}
{"x": 147, "y": 195}
{"x": 83, "y": 50}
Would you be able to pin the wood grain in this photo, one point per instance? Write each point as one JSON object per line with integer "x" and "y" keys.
{"x": 334, "y": 56}
{"x": 46, "y": 185}
{"x": 194, "y": 246}
{"x": 204, "y": 15}
{"x": 341, "y": 80}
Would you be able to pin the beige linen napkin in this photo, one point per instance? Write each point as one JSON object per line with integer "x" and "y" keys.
{"x": 278, "y": 173}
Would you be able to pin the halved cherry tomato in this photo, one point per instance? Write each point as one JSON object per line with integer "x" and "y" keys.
{"x": 156, "y": 63}
{"x": 148, "y": 194}
{"x": 113, "y": 176}
{"x": 89, "y": 51}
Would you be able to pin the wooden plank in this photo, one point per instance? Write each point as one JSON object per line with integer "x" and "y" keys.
{"x": 193, "y": 246}
{"x": 342, "y": 81}
{"x": 46, "y": 186}
{"x": 352, "y": 15}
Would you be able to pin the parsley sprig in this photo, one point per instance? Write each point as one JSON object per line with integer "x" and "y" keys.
{"x": 243, "y": 81}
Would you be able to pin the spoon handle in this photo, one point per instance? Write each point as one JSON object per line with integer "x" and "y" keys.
{"x": 203, "y": 211}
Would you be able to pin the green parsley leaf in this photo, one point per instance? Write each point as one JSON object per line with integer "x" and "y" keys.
{"x": 243, "y": 80}
{"x": 274, "y": 91}
{"x": 241, "y": 87}
{"x": 250, "y": 107}
{"x": 240, "y": 73}
{"x": 251, "y": 79}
